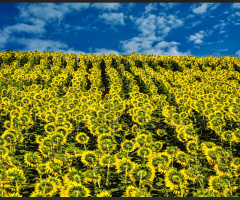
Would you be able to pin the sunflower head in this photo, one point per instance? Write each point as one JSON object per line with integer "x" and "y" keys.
{"x": 161, "y": 132}
{"x": 46, "y": 187}
{"x": 15, "y": 175}
{"x": 82, "y": 138}
{"x": 142, "y": 172}
{"x": 32, "y": 159}
{"x": 107, "y": 160}
{"x": 144, "y": 152}
{"x": 104, "y": 193}
{"x": 89, "y": 158}
{"x": 128, "y": 146}
{"x": 74, "y": 175}
{"x": 124, "y": 165}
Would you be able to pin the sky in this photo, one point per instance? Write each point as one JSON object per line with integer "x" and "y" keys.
{"x": 197, "y": 29}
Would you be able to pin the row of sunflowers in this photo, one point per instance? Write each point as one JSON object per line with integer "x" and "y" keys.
{"x": 165, "y": 126}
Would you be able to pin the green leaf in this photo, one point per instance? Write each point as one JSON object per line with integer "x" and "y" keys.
{"x": 159, "y": 184}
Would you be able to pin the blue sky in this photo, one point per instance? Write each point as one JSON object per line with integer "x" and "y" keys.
{"x": 197, "y": 29}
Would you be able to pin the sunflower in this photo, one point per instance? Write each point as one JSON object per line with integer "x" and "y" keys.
{"x": 32, "y": 159}
{"x": 62, "y": 159}
{"x": 235, "y": 162}
{"x": 144, "y": 152}
{"x": 15, "y": 194}
{"x": 47, "y": 142}
{"x": 82, "y": 138}
{"x": 15, "y": 177}
{"x": 236, "y": 171}
{"x": 128, "y": 146}
{"x": 41, "y": 168}
{"x": 62, "y": 129}
{"x": 131, "y": 191}
{"x": 135, "y": 129}
{"x": 124, "y": 165}
{"x": 236, "y": 135}
{"x": 222, "y": 184}
{"x": 106, "y": 143}
{"x": 50, "y": 128}
{"x": 182, "y": 158}
{"x": 161, "y": 132}
{"x": 91, "y": 175}
{"x": 53, "y": 168}
{"x": 141, "y": 139}
{"x": 141, "y": 173}
{"x": 121, "y": 154}
{"x": 74, "y": 175}
{"x": 221, "y": 168}
{"x": 107, "y": 160}
{"x": 192, "y": 174}
{"x": 9, "y": 136}
{"x": 156, "y": 146}
{"x": 89, "y": 158}
{"x": 104, "y": 193}
{"x": 192, "y": 147}
{"x": 4, "y": 152}
{"x": 73, "y": 152}
{"x": 176, "y": 180}
{"x": 59, "y": 138}
{"x": 46, "y": 187}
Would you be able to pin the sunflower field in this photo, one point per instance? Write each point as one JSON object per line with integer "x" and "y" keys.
{"x": 119, "y": 126}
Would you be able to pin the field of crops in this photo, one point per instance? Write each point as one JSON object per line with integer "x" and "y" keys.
{"x": 119, "y": 126}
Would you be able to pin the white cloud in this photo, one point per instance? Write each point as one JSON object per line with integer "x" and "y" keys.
{"x": 162, "y": 25}
{"x": 236, "y": 5}
{"x": 201, "y": 9}
{"x": 106, "y": 6}
{"x": 49, "y": 11}
{"x": 238, "y": 53}
{"x": 99, "y": 51}
{"x": 197, "y": 37}
{"x": 204, "y": 7}
{"x": 6, "y": 34}
{"x": 45, "y": 45}
{"x": 113, "y": 18}
{"x": 144, "y": 45}
{"x": 153, "y": 29}
{"x": 167, "y": 6}
{"x": 193, "y": 24}
{"x": 190, "y": 16}
{"x": 150, "y": 7}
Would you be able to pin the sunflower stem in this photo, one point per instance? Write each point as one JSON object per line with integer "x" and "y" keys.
{"x": 140, "y": 182}
{"x": 16, "y": 186}
{"x": 1, "y": 187}
{"x": 126, "y": 175}
{"x": 108, "y": 172}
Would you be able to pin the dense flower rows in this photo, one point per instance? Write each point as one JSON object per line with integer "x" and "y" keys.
{"x": 108, "y": 126}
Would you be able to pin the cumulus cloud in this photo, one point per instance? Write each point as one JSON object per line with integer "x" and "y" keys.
{"x": 167, "y": 6}
{"x": 236, "y": 5}
{"x": 49, "y": 11}
{"x": 113, "y": 18}
{"x": 106, "y": 6}
{"x": 45, "y": 45}
{"x": 36, "y": 29}
{"x": 99, "y": 51}
{"x": 153, "y": 29}
{"x": 162, "y": 25}
{"x": 150, "y": 7}
{"x": 193, "y": 24}
{"x": 197, "y": 37}
{"x": 221, "y": 26}
{"x": 238, "y": 53}
{"x": 203, "y": 8}
{"x": 144, "y": 45}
